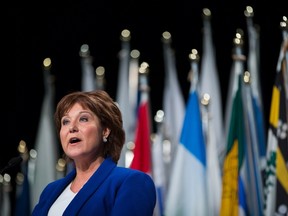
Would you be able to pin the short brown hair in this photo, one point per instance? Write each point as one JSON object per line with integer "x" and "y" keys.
{"x": 109, "y": 114}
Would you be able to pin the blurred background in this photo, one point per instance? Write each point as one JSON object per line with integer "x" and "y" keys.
{"x": 29, "y": 36}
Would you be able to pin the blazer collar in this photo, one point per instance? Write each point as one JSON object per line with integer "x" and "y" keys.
{"x": 91, "y": 186}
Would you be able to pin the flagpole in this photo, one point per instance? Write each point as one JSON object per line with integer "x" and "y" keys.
{"x": 159, "y": 174}
{"x": 253, "y": 56}
{"x": 205, "y": 100}
{"x": 202, "y": 206}
{"x": 100, "y": 77}
{"x": 24, "y": 153}
{"x": 284, "y": 28}
{"x": 209, "y": 82}
{"x": 142, "y": 151}
{"x": 166, "y": 37}
{"x": 193, "y": 75}
{"x": 233, "y": 80}
{"x": 88, "y": 82}
{"x": 127, "y": 94}
{"x": 5, "y": 193}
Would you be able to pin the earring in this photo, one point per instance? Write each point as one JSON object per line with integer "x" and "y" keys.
{"x": 104, "y": 139}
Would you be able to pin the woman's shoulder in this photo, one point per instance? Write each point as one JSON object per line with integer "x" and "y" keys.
{"x": 135, "y": 184}
{"x": 119, "y": 175}
{"x": 128, "y": 173}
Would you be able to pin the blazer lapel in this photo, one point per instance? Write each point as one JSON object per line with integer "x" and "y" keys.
{"x": 90, "y": 187}
{"x": 59, "y": 189}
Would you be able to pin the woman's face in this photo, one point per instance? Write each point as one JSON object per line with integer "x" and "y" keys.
{"x": 81, "y": 134}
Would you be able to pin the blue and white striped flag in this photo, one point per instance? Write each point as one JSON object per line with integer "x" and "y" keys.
{"x": 187, "y": 192}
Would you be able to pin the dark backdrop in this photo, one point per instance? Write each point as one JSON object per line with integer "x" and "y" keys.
{"x": 29, "y": 36}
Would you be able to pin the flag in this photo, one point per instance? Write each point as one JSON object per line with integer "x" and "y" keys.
{"x": 253, "y": 122}
{"x": 212, "y": 117}
{"x": 233, "y": 179}
{"x": 88, "y": 80}
{"x": 254, "y": 181}
{"x": 22, "y": 203}
{"x": 173, "y": 102}
{"x": 214, "y": 181}
{"x": 187, "y": 188}
{"x": 276, "y": 178}
{"x": 159, "y": 176}
{"x": 209, "y": 84}
{"x": 127, "y": 94}
{"x": 22, "y": 191}
{"x": 253, "y": 67}
{"x": 5, "y": 194}
{"x": 234, "y": 169}
{"x": 236, "y": 69}
{"x": 142, "y": 150}
{"x": 46, "y": 143}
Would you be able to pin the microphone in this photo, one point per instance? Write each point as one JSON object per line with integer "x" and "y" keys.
{"x": 12, "y": 162}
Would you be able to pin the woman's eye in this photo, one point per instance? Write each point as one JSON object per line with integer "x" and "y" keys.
{"x": 84, "y": 119}
{"x": 65, "y": 122}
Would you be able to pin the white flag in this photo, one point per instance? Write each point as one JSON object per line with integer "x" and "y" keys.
{"x": 46, "y": 143}
{"x": 210, "y": 84}
{"x": 173, "y": 103}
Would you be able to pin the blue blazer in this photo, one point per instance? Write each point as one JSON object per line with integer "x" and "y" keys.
{"x": 111, "y": 190}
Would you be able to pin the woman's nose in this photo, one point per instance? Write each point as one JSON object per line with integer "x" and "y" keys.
{"x": 73, "y": 129}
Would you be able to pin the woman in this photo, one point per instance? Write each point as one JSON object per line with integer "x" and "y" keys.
{"x": 91, "y": 134}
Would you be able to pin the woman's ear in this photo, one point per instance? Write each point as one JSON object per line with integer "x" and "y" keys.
{"x": 106, "y": 132}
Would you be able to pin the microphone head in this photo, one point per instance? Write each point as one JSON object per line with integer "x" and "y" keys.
{"x": 12, "y": 162}
{"x": 15, "y": 161}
